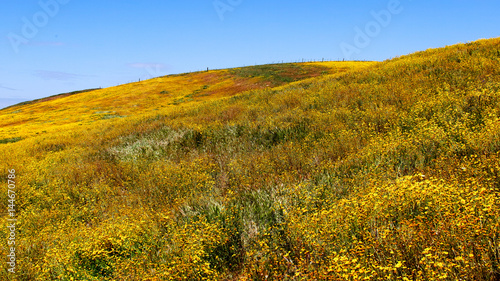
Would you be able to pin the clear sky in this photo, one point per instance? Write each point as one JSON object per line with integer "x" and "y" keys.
{"x": 49, "y": 47}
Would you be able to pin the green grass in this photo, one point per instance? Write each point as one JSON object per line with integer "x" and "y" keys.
{"x": 279, "y": 74}
{"x": 10, "y": 140}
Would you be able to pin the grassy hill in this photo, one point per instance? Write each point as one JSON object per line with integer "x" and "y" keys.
{"x": 313, "y": 171}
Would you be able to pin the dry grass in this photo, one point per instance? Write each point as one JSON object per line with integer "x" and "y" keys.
{"x": 370, "y": 171}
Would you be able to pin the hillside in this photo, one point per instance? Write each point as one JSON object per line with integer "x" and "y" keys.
{"x": 314, "y": 171}
{"x": 159, "y": 94}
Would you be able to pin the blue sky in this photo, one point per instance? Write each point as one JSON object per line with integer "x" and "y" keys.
{"x": 49, "y": 47}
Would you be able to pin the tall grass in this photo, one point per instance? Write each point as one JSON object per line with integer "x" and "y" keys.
{"x": 386, "y": 171}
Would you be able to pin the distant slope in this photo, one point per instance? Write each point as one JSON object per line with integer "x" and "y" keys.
{"x": 364, "y": 171}
{"x": 49, "y": 98}
{"x": 154, "y": 96}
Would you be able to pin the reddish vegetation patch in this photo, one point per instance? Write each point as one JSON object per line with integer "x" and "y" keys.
{"x": 17, "y": 123}
{"x": 241, "y": 85}
{"x": 54, "y": 97}
{"x": 260, "y": 77}
{"x": 212, "y": 77}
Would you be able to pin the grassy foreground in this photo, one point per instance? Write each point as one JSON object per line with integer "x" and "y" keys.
{"x": 314, "y": 171}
